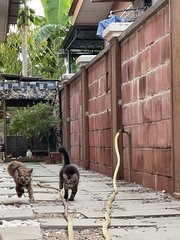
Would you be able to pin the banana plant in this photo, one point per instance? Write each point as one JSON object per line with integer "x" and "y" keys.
{"x": 56, "y": 27}
{"x": 57, "y": 21}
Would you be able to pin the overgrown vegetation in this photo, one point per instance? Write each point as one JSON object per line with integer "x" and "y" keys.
{"x": 34, "y": 48}
{"x": 34, "y": 122}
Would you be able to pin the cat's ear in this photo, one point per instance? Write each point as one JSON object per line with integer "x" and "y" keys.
{"x": 74, "y": 177}
{"x": 30, "y": 171}
{"x": 65, "y": 176}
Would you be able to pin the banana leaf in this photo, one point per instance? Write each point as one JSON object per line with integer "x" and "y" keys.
{"x": 45, "y": 32}
{"x": 56, "y": 11}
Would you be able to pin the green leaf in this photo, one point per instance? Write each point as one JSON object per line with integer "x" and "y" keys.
{"x": 45, "y": 32}
{"x": 56, "y": 11}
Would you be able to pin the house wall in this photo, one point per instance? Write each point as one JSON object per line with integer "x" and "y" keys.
{"x": 145, "y": 80}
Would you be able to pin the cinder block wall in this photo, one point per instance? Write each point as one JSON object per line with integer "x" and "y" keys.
{"x": 145, "y": 76}
{"x": 146, "y": 95}
{"x": 76, "y": 122}
{"x": 100, "y": 117}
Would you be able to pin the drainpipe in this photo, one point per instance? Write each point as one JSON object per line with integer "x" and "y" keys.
{"x": 122, "y": 130}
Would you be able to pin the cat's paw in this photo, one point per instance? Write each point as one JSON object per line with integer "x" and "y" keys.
{"x": 65, "y": 197}
{"x": 31, "y": 200}
{"x": 71, "y": 199}
{"x": 19, "y": 195}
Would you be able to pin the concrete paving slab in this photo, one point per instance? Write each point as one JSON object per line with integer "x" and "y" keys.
{"x": 49, "y": 209}
{"x": 146, "y": 214}
{"x": 39, "y": 171}
{"x": 154, "y": 205}
{"x": 46, "y": 179}
{"x": 37, "y": 189}
{"x": 92, "y": 223}
{"x": 146, "y": 210}
{"x": 11, "y": 192}
{"x": 42, "y": 171}
{"x": 95, "y": 212}
{"x": 14, "y": 200}
{"x": 134, "y": 196}
{"x": 103, "y": 195}
{"x": 42, "y": 174}
{"x": 54, "y": 184}
{"x": 16, "y": 214}
{"x": 89, "y": 208}
{"x": 7, "y": 191}
{"x": 7, "y": 184}
{"x": 99, "y": 184}
{"x": 83, "y": 197}
{"x": 21, "y": 233}
{"x": 92, "y": 214}
{"x": 148, "y": 233}
{"x": 145, "y": 222}
{"x": 88, "y": 204}
{"x": 77, "y": 223}
{"x": 46, "y": 196}
{"x": 55, "y": 168}
{"x": 135, "y": 207}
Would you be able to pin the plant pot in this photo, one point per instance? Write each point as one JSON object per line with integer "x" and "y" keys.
{"x": 48, "y": 160}
{"x": 56, "y": 157}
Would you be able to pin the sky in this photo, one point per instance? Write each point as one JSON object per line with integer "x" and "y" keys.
{"x": 37, "y": 6}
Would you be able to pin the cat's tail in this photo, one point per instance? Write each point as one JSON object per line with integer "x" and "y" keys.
{"x": 11, "y": 168}
{"x": 65, "y": 155}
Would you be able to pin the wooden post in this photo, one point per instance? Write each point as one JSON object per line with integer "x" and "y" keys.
{"x": 175, "y": 46}
{"x": 115, "y": 95}
{"x": 85, "y": 119}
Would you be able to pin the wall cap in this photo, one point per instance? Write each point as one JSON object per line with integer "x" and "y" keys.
{"x": 115, "y": 30}
{"x": 65, "y": 77}
{"x": 84, "y": 59}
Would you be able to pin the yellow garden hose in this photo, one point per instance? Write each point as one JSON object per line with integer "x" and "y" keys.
{"x": 112, "y": 196}
{"x": 66, "y": 215}
{"x": 108, "y": 204}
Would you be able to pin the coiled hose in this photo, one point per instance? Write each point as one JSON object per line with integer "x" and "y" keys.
{"x": 111, "y": 198}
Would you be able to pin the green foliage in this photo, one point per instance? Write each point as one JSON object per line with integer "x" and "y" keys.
{"x": 43, "y": 57}
{"x": 56, "y": 11}
{"x": 33, "y": 122}
{"x": 45, "y": 60}
{"x": 44, "y": 39}
{"x": 53, "y": 33}
{"x": 45, "y": 32}
{"x": 50, "y": 37}
{"x": 9, "y": 54}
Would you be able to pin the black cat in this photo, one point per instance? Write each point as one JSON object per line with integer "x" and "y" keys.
{"x": 68, "y": 176}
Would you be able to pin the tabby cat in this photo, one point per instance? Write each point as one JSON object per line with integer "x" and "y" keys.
{"x": 22, "y": 178}
{"x": 68, "y": 176}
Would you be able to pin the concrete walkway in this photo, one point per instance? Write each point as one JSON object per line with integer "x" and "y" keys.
{"x": 138, "y": 213}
